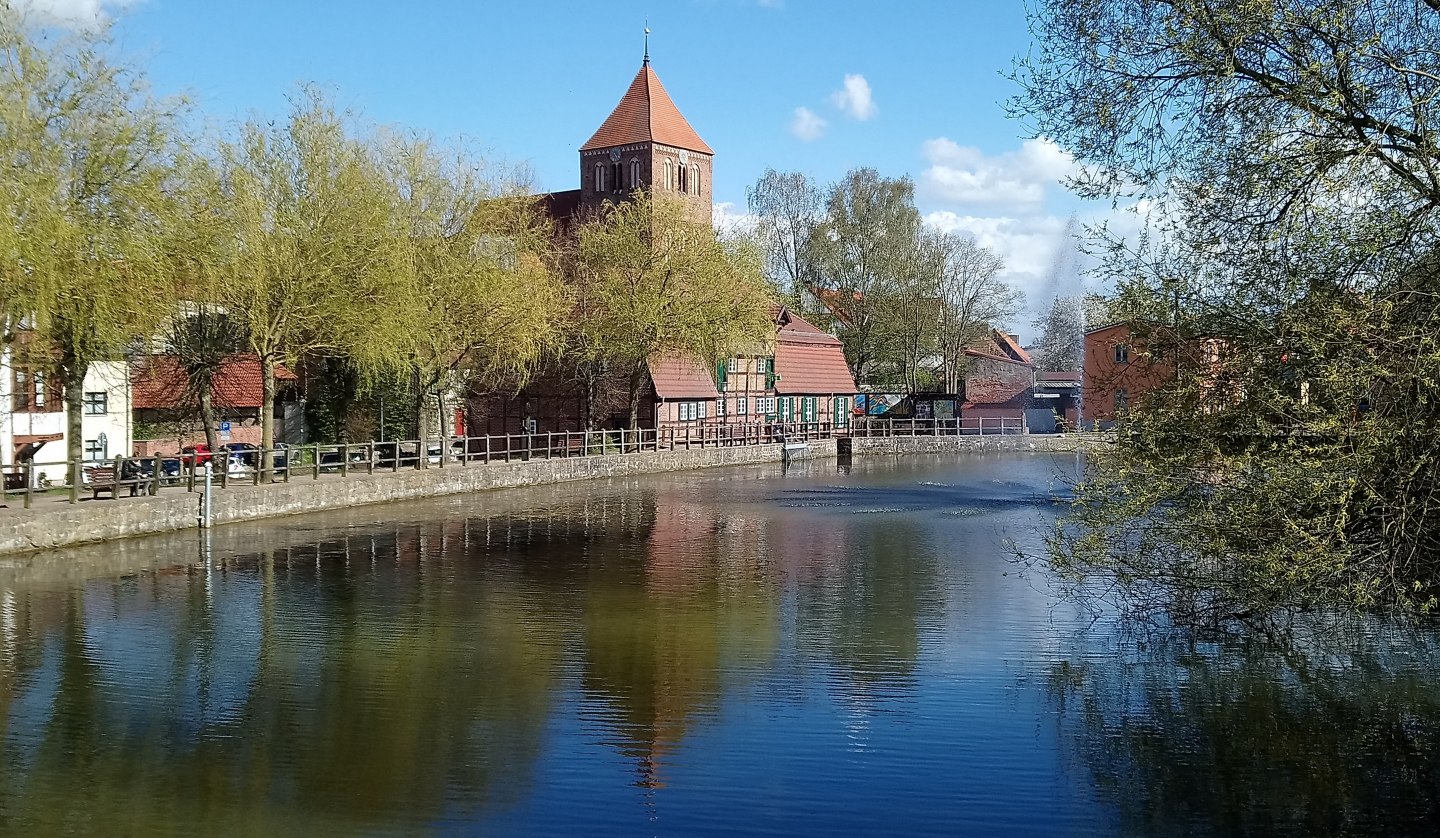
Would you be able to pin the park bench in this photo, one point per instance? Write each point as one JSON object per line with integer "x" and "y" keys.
{"x": 105, "y": 479}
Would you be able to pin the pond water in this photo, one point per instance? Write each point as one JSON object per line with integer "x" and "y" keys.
{"x": 737, "y": 651}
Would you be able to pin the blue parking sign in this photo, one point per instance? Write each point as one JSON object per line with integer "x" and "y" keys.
{"x": 225, "y": 427}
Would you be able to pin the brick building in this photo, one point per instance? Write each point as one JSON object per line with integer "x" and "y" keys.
{"x": 645, "y": 143}
{"x": 999, "y": 379}
{"x": 1119, "y": 371}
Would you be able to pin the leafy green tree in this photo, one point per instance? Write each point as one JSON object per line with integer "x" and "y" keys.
{"x": 85, "y": 159}
{"x": 478, "y": 302}
{"x": 862, "y": 248}
{"x": 1290, "y": 154}
{"x": 299, "y": 241}
{"x": 650, "y": 281}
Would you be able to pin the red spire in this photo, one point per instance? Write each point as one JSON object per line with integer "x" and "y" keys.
{"x": 646, "y": 114}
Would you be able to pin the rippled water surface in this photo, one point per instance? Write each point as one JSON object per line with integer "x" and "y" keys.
{"x": 822, "y": 652}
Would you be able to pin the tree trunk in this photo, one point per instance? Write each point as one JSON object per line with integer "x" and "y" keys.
{"x": 637, "y": 381}
{"x": 72, "y": 376}
{"x": 420, "y": 417}
{"x": 267, "y": 417}
{"x": 446, "y": 427}
{"x": 207, "y": 417}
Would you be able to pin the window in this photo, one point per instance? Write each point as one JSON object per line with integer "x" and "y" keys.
{"x": 669, "y": 175}
{"x": 734, "y": 366}
{"x": 97, "y": 404}
{"x": 94, "y": 450}
{"x": 692, "y": 411}
{"x": 616, "y": 181}
{"x": 20, "y": 388}
{"x": 634, "y": 173}
{"x": 599, "y": 177}
{"x": 695, "y": 179}
{"x": 1122, "y": 353}
{"x": 842, "y": 412}
{"x": 720, "y": 409}
{"x": 684, "y": 187}
{"x": 1122, "y": 400}
{"x": 740, "y": 406}
{"x": 29, "y": 393}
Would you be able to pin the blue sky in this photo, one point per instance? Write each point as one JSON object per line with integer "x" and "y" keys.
{"x": 529, "y": 82}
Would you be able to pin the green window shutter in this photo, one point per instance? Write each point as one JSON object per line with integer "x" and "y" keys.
{"x": 769, "y": 373}
{"x": 720, "y": 372}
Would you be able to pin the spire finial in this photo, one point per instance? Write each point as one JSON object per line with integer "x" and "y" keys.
{"x": 647, "y": 41}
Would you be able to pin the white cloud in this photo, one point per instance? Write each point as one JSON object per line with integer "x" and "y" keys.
{"x": 78, "y": 13}
{"x": 731, "y": 220}
{"x": 855, "y": 99}
{"x": 807, "y": 125}
{"x": 964, "y": 175}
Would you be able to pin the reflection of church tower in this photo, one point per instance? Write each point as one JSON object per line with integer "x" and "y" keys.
{"x": 647, "y": 144}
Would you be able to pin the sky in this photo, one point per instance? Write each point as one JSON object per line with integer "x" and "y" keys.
{"x": 912, "y": 88}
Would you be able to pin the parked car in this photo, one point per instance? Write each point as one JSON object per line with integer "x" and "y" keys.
{"x": 169, "y": 468}
{"x": 195, "y": 455}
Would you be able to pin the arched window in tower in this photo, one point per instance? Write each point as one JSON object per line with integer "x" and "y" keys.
{"x": 634, "y": 173}
{"x": 617, "y": 179}
{"x": 684, "y": 180}
{"x": 599, "y": 177}
{"x": 669, "y": 175}
{"x": 695, "y": 178}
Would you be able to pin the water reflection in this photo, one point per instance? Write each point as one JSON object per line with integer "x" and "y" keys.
{"x": 731, "y": 652}
{"x": 1330, "y": 736}
{"x": 405, "y": 674}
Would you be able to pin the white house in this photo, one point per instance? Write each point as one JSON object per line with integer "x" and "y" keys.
{"x": 32, "y": 418}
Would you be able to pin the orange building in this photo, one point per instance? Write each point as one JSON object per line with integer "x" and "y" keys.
{"x": 1119, "y": 371}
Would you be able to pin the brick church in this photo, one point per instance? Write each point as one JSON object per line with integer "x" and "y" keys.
{"x": 646, "y": 143}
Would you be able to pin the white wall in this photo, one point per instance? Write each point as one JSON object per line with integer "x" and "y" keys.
{"x": 109, "y": 377}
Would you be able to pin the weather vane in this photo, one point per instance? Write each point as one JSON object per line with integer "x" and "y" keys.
{"x": 647, "y": 41}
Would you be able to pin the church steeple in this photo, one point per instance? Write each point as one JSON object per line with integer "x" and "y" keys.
{"x": 646, "y": 143}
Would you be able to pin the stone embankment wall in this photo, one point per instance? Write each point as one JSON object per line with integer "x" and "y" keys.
{"x": 61, "y": 524}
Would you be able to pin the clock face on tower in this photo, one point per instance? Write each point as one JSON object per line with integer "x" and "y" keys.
{"x": 614, "y": 155}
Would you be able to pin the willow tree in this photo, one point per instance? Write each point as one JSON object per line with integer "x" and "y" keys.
{"x": 652, "y": 282}
{"x": 85, "y": 155}
{"x": 298, "y": 223}
{"x": 477, "y": 303}
{"x": 1291, "y": 149}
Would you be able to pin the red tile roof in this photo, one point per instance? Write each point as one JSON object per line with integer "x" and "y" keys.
{"x": 681, "y": 377}
{"x": 158, "y": 381}
{"x": 646, "y": 114}
{"x": 809, "y": 361}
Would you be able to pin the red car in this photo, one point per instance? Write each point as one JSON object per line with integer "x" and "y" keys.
{"x": 195, "y": 455}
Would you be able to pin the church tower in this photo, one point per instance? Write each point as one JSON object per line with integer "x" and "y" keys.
{"x": 647, "y": 144}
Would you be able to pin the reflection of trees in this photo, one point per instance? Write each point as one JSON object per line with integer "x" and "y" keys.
{"x": 664, "y": 624}
{"x": 1257, "y": 739}
{"x": 396, "y": 680}
{"x": 869, "y": 612}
